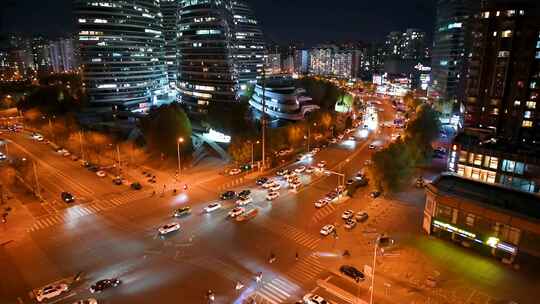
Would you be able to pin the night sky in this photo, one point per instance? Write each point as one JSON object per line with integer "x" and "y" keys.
{"x": 310, "y": 21}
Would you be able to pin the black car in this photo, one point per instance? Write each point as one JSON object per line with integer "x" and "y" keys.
{"x": 375, "y": 194}
{"x": 67, "y": 197}
{"x": 93, "y": 168}
{"x": 352, "y": 272}
{"x": 228, "y": 195}
{"x": 244, "y": 193}
{"x": 117, "y": 181}
{"x": 104, "y": 284}
{"x": 136, "y": 186}
{"x": 182, "y": 211}
{"x": 262, "y": 180}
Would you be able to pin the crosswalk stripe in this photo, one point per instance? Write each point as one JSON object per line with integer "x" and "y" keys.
{"x": 306, "y": 271}
{"x": 266, "y": 298}
{"x": 50, "y": 221}
{"x": 286, "y": 284}
{"x": 270, "y": 285}
{"x": 93, "y": 208}
{"x": 270, "y": 295}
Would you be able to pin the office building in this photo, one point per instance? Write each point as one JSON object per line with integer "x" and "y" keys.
{"x": 488, "y": 218}
{"x": 170, "y": 10}
{"x": 273, "y": 63}
{"x": 503, "y": 81}
{"x": 122, "y": 53}
{"x": 249, "y": 45}
{"x": 451, "y": 47}
{"x": 206, "y": 67}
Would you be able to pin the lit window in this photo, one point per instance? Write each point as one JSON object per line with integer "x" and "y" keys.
{"x": 494, "y": 34}
{"x": 471, "y": 158}
{"x": 491, "y": 177}
{"x": 510, "y": 13}
{"x": 537, "y": 55}
{"x": 493, "y": 162}
{"x": 475, "y": 173}
{"x": 462, "y": 156}
{"x": 517, "y": 103}
{"x": 506, "y": 34}
{"x": 527, "y": 124}
{"x": 531, "y": 104}
{"x": 478, "y": 159}
{"x": 498, "y": 14}
{"x": 461, "y": 170}
{"x": 485, "y": 15}
{"x": 527, "y": 114}
{"x": 521, "y": 12}
{"x": 469, "y": 220}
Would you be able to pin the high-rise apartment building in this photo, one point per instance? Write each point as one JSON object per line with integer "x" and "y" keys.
{"x": 170, "y": 11}
{"x": 249, "y": 45}
{"x": 122, "y": 53}
{"x": 451, "y": 46}
{"x": 331, "y": 60}
{"x": 503, "y": 81}
{"x": 405, "y": 45}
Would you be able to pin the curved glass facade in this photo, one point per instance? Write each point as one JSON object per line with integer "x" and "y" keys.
{"x": 122, "y": 52}
{"x": 169, "y": 9}
{"x": 206, "y": 71}
{"x": 250, "y": 48}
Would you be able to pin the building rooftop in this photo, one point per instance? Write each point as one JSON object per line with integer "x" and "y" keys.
{"x": 494, "y": 196}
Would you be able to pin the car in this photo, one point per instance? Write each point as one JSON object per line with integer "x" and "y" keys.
{"x": 321, "y": 203}
{"x": 74, "y": 158}
{"x": 375, "y": 194}
{"x": 340, "y": 137}
{"x": 295, "y": 184}
{"x": 86, "y": 301}
{"x": 282, "y": 172}
{"x": 235, "y": 171}
{"x": 359, "y": 176}
{"x": 93, "y": 168}
{"x": 419, "y": 183}
{"x": 247, "y": 215}
{"x": 352, "y": 272}
{"x": 321, "y": 164}
{"x": 244, "y": 201}
{"x": 182, "y": 211}
{"x": 347, "y": 214}
{"x": 340, "y": 189}
{"x": 244, "y": 193}
{"x": 290, "y": 175}
{"x": 236, "y": 211}
{"x": 275, "y": 187}
{"x": 136, "y": 186}
{"x": 361, "y": 216}
{"x": 372, "y": 146}
{"x": 212, "y": 207}
{"x": 168, "y": 228}
{"x": 67, "y": 197}
{"x": 51, "y": 291}
{"x": 314, "y": 299}
{"x": 300, "y": 169}
{"x": 310, "y": 169}
{"x": 272, "y": 195}
{"x": 316, "y": 150}
{"x": 368, "y": 162}
{"x": 101, "y": 285}
{"x": 269, "y": 184}
{"x": 101, "y": 173}
{"x": 352, "y": 138}
{"x": 39, "y": 137}
{"x": 327, "y": 229}
{"x": 66, "y": 154}
{"x": 349, "y": 182}
{"x": 350, "y": 224}
{"x": 2, "y": 156}
{"x": 332, "y": 195}
{"x": 118, "y": 180}
{"x": 228, "y": 195}
{"x": 261, "y": 181}
{"x": 333, "y": 141}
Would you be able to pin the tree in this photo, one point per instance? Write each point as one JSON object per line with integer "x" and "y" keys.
{"x": 240, "y": 149}
{"x": 411, "y": 102}
{"x": 392, "y": 166}
{"x": 163, "y": 127}
{"x": 422, "y": 130}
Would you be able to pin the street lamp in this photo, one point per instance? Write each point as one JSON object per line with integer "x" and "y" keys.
{"x": 179, "y": 141}
{"x": 252, "y": 156}
{"x": 309, "y": 135}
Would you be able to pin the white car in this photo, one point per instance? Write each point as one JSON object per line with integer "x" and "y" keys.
{"x": 2, "y": 156}
{"x": 314, "y": 299}
{"x": 275, "y": 187}
{"x": 295, "y": 184}
{"x": 168, "y": 228}
{"x": 50, "y": 292}
{"x": 321, "y": 164}
{"x": 244, "y": 201}
{"x": 300, "y": 169}
{"x": 236, "y": 212}
{"x": 272, "y": 196}
{"x": 234, "y": 171}
{"x": 372, "y": 146}
{"x": 66, "y": 154}
{"x": 212, "y": 207}
{"x": 321, "y": 203}
{"x": 347, "y": 214}
{"x": 39, "y": 138}
{"x": 268, "y": 184}
{"x": 310, "y": 169}
{"x": 327, "y": 229}
{"x": 101, "y": 173}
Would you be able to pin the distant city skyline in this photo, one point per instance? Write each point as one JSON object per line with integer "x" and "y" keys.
{"x": 283, "y": 21}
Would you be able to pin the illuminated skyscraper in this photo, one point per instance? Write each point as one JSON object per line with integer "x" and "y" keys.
{"x": 122, "y": 52}
{"x": 170, "y": 10}
{"x": 249, "y": 44}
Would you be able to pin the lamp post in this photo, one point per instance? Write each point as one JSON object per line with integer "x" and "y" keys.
{"x": 252, "y": 152}
{"x": 309, "y": 135}
{"x": 373, "y": 269}
{"x": 179, "y": 141}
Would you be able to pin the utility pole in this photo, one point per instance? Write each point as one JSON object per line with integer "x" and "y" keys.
{"x": 38, "y": 191}
{"x": 373, "y": 269}
{"x": 264, "y": 118}
{"x": 119, "y": 163}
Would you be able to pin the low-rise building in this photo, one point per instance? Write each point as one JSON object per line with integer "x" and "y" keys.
{"x": 493, "y": 219}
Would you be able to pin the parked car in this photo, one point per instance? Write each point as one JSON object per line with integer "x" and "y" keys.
{"x": 136, "y": 186}
{"x": 314, "y": 299}
{"x": 375, "y": 194}
{"x": 50, "y": 291}
{"x": 235, "y": 171}
{"x": 327, "y": 229}
{"x": 228, "y": 195}
{"x": 350, "y": 224}
{"x": 361, "y": 216}
{"x": 101, "y": 173}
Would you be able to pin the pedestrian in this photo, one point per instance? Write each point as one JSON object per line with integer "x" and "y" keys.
{"x": 296, "y": 256}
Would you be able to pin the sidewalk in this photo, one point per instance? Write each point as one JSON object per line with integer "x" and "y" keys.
{"x": 18, "y": 220}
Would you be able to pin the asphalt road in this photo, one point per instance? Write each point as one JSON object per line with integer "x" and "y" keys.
{"x": 209, "y": 252}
